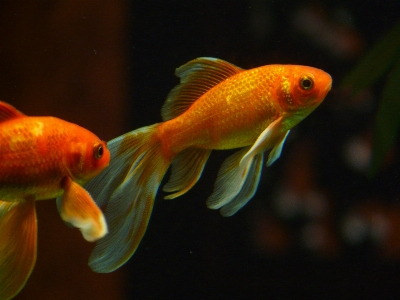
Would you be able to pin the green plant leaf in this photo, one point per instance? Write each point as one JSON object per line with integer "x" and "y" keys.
{"x": 387, "y": 119}
{"x": 375, "y": 63}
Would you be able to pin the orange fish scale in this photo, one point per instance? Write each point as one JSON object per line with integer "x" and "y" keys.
{"x": 28, "y": 148}
{"x": 236, "y": 122}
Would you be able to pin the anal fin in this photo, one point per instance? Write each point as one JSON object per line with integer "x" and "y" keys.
{"x": 186, "y": 168}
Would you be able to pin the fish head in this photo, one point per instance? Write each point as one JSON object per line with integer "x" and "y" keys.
{"x": 86, "y": 157}
{"x": 301, "y": 89}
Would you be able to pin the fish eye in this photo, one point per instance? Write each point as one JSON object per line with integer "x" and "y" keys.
{"x": 306, "y": 83}
{"x": 98, "y": 151}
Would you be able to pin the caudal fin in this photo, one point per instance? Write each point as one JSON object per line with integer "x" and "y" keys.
{"x": 127, "y": 189}
{"x": 18, "y": 242}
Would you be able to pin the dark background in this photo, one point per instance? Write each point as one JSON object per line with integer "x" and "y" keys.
{"x": 318, "y": 227}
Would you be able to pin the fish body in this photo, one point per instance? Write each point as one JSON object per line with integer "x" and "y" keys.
{"x": 216, "y": 106}
{"x": 43, "y": 158}
{"x": 36, "y": 153}
{"x": 233, "y": 113}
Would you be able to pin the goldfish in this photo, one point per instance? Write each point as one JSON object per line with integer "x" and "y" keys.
{"x": 43, "y": 158}
{"x": 216, "y": 106}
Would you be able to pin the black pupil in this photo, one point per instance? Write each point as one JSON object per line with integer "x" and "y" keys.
{"x": 306, "y": 83}
{"x": 99, "y": 152}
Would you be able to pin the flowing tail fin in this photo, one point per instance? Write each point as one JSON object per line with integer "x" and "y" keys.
{"x": 127, "y": 189}
{"x": 18, "y": 242}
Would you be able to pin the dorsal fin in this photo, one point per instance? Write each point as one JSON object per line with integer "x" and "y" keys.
{"x": 197, "y": 77}
{"x": 8, "y": 112}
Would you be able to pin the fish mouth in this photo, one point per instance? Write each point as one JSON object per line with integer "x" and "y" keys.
{"x": 327, "y": 88}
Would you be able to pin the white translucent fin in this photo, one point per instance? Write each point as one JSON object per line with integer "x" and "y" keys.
{"x": 267, "y": 139}
{"x": 77, "y": 208}
{"x": 230, "y": 179}
{"x": 186, "y": 169}
{"x": 18, "y": 244}
{"x": 122, "y": 160}
{"x": 248, "y": 189}
{"x": 277, "y": 149}
{"x": 127, "y": 188}
{"x": 239, "y": 175}
{"x": 197, "y": 77}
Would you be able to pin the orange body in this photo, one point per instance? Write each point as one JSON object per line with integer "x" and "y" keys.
{"x": 36, "y": 153}
{"x": 216, "y": 106}
{"x": 233, "y": 113}
{"x": 43, "y": 158}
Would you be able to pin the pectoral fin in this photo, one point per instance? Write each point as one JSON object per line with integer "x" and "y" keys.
{"x": 78, "y": 208}
{"x": 272, "y": 137}
{"x": 276, "y": 151}
{"x": 18, "y": 242}
{"x": 239, "y": 175}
